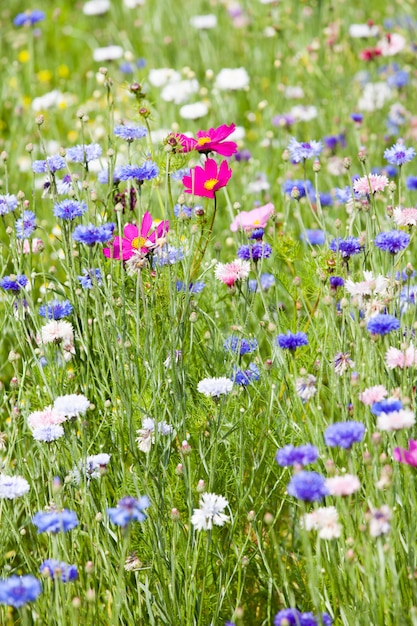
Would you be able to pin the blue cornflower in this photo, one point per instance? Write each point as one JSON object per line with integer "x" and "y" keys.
{"x": 50, "y": 164}
{"x": 336, "y": 282}
{"x": 126, "y": 68}
{"x": 304, "y": 187}
{"x": 325, "y": 198}
{"x": 183, "y": 211}
{"x": 346, "y": 247}
{"x": 90, "y": 278}
{"x": 314, "y": 237}
{"x": 18, "y": 590}
{"x": 289, "y": 617}
{"x": 344, "y": 434}
{"x": 129, "y": 509}
{"x": 192, "y": 287}
{"x": 69, "y": 209}
{"x": 179, "y": 174}
{"x": 405, "y": 276}
{"x": 309, "y": 486}
{"x": 382, "y": 324}
{"x": 239, "y": 345}
{"x": 398, "y": 154}
{"x": 300, "y": 151}
{"x": 147, "y": 171}
{"x": 266, "y": 280}
{"x": 55, "y": 521}
{"x": 386, "y": 406}
{"x": 255, "y": 251}
{"x": 13, "y": 283}
{"x": 392, "y": 241}
{"x": 29, "y": 17}
{"x": 398, "y": 79}
{"x": 59, "y": 569}
{"x": 56, "y": 310}
{"x": 83, "y": 154}
{"x": 301, "y": 455}
{"x": 292, "y": 341}
{"x": 167, "y": 255}
{"x": 411, "y": 183}
{"x": 356, "y": 117}
{"x": 130, "y": 132}
{"x": 343, "y": 195}
{"x": 8, "y": 203}
{"x": 309, "y": 619}
{"x": 243, "y": 155}
{"x": 91, "y": 234}
{"x": 25, "y": 225}
{"x": 245, "y": 377}
{"x": 257, "y": 234}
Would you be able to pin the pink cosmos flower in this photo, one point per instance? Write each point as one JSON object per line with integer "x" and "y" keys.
{"x": 211, "y": 140}
{"x": 205, "y": 181}
{"x": 257, "y": 218}
{"x": 405, "y": 217}
{"x": 370, "y": 184}
{"x": 343, "y": 485}
{"x": 134, "y": 240}
{"x": 401, "y": 358}
{"x": 373, "y": 394}
{"x": 407, "y": 456}
{"x": 229, "y": 273}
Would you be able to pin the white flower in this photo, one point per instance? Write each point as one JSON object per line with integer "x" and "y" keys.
{"x": 294, "y": 92}
{"x": 51, "y": 99}
{"x": 147, "y": 433}
{"x": 203, "y": 22}
{"x": 343, "y": 485}
{"x": 405, "y": 217}
{"x": 47, "y": 417}
{"x": 210, "y": 512}
{"x": 325, "y": 520}
{"x": 132, "y": 4}
{"x": 108, "y": 53}
{"x": 194, "y": 111}
{"x": 96, "y": 464}
{"x": 379, "y": 523}
{"x": 96, "y": 7}
{"x": 232, "y": 79}
{"x": 215, "y": 387}
{"x": 304, "y": 113}
{"x": 359, "y": 31}
{"x": 374, "y": 96}
{"x": 71, "y": 405}
{"x": 306, "y": 387}
{"x": 162, "y": 76}
{"x": 12, "y": 487}
{"x": 396, "y": 420}
{"x": 369, "y": 287}
{"x": 180, "y": 91}
{"x": 48, "y": 433}
{"x": 56, "y": 331}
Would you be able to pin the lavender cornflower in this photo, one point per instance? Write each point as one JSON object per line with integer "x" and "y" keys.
{"x": 300, "y": 151}
{"x": 301, "y": 455}
{"x": 29, "y": 17}
{"x": 56, "y": 310}
{"x": 344, "y": 434}
{"x": 90, "y": 234}
{"x": 8, "y": 203}
{"x": 398, "y": 154}
{"x": 266, "y": 280}
{"x": 12, "y": 487}
{"x": 239, "y": 345}
{"x": 254, "y": 252}
{"x": 129, "y": 509}
{"x": 69, "y": 209}
{"x": 59, "y": 569}
{"x": 392, "y": 241}
{"x": 192, "y": 287}
{"x": 292, "y": 341}
{"x": 48, "y": 433}
{"x": 303, "y": 187}
{"x": 84, "y": 154}
{"x": 343, "y": 195}
{"x": 346, "y": 247}
{"x": 147, "y": 171}
{"x": 25, "y": 225}
{"x": 183, "y": 211}
{"x": 13, "y": 283}
{"x": 245, "y": 377}
{"x": 55, "y": 521}
{"x": 167, "y": 255}
{"x": 382, "y": 324}
{"x": 90, "y": 278}
{"x": 18, "y": 590}
{"x": 314, "y": 237}
{"x": 309, "y": 486}
{"x": 130, "y": 132}
{"x": 50, "y": 164}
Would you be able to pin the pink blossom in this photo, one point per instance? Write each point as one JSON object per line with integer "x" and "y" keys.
{"x": 257, "y": 218}
{"x": 343, "y": 485}
{"x": 205, "y": 181}
{"x": 392, "y": 44}
{"x": 47, "y": 417}
{"x": 407, "y": 456}
{"x": 135, "y": 240}
{"x": 396, "y": 420}
{"x": 211, "y": 140}
{"x": 400, "y": 358}
{"x": 373, "y": 394}
{"x": 372, "y": 183}
{"x": 325, "y": 520}
{"x": 230, "y": 273}
{"x": 405, "y": 217}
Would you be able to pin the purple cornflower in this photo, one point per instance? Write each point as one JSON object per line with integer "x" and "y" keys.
{"x": 147, "y": 171}
{"x": 59, "y": 569}
{"x": 284, "y": 120}
{"x": 90, "y": 278}
{"x": 392, "y": 241}
{"x": 255, "y": 251}
{"x": 346, "y": 247}
{"x": 243, "y": 155}
{"x": 398, "y": 154}
{"x": 386, "y": 406}
{"x": 192, "y": 287}
{"x": 129, "y": 509}
{"x": 344, "y": 434}
{"x": 18, "y": 590}
{"x": 257, "y": 234}
{"x": 411, "y": 183}
{"x": 13, "y": 283}
{"x": 130, "y": 132}
{"x": 29, "y": 17}
{"x": 287, "y": 617}
{"x": 309, "y": 486}
{"x": 314, "y": 237}
{"x": 8, "y": 203}
{"x": 343, "y": 195}
{"x": 301, "y": 455}
{"x": 382, "y": 324}
{"x": 245, "y": 377}
{"x": 356, "y": 117}
{"x": 55, "y": 521}
{"x": 309, "y": 619}
{"x": 56, "y": 310}
{"x": 50, "y": 164}
{"x": 84, "y": 154}
{"x": 303, "y": 187}
{"x": 91, "y": 234}
{"x": 69, "y": 209}
{"x": 300, "y": 151}
{"x": 336, "y": 282}
{"x": 25, "y": 225}
{"x": 239, "y": 345}
{"x": 292, "y": 341}
{"x": 266, "y": 280}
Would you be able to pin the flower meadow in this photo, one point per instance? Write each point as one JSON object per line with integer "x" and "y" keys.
{"x": 208, "y": 313}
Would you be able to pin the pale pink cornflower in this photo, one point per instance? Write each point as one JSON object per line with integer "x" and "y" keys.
{"x": 47, "y": 417}
{"x": 230, "y": 273}
{"x": 343, "y": 485}
{"x": 396, "y": 420}
{"x": 372, "y": 183}
{"x": 57, "y": 331}
{"x": 401, "y": 358}
{"x": 325, "y": 520}
{"x": 379, "y": 521}
{"x": 391, "y": 44}
{"x": 405, "y": 217}
{"x": 373, "y": 394}
{"x": 371, "y": 285}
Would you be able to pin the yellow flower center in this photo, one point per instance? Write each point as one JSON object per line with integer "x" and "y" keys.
{"x": 138, "y": 242}
{"x": 203, "y": 140}
{"x": 210, "y": 183}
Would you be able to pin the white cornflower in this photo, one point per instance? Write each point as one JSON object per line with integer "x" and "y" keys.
{"x": 306, "y": 387}
{"x": 179, "y": 92}
{"x": 57, "y": 331}
{"x": 162, "y": 76}
{"x": 71, "y": 405}
{"x": 215, "y": 387}
{"x": 96, "y": 464}
{"x": 12, "y": 487}
{"x": 232, "y": 79}
{"x": 210, "y": 512}
{"x": 48, "y": 433}
{"x": 147, "y": 433}
{"x": 325, "y": 520}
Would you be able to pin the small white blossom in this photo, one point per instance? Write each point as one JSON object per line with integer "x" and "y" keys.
{"x": 210, "y": 512}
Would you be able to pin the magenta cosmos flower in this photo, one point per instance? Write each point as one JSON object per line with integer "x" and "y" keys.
{"x": 135, "y": 240}
{"x": 211, "y": 140}
{"x": 407, "y": 456}
{"x": 205, "y": 181}
{"x": 257, "y": 218}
